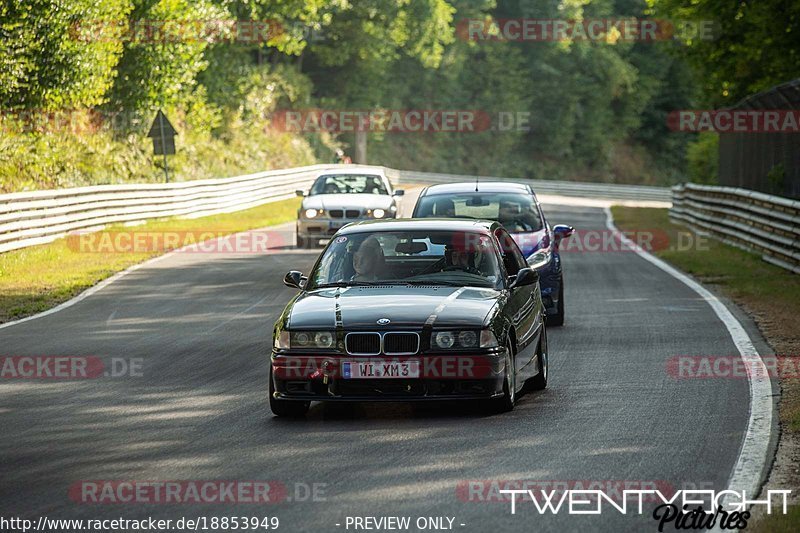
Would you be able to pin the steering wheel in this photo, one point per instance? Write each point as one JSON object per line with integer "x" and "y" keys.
{"x": 468, "y": 269}
{"x": 435, "y": 267}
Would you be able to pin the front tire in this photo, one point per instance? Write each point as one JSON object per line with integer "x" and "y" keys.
{"x": 507, "y": 402}
{"x": 539, "y": 381}
{"x": 285, "y": 408}
{"x": 557, "y": 319}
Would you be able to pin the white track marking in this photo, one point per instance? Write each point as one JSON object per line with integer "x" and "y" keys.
{"x": 754, "y": 453}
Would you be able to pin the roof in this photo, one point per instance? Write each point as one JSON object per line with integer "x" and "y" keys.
{"x": 483, "y": 186}
{"x": 420, "y": 224}
{"x": 355, "y": 170}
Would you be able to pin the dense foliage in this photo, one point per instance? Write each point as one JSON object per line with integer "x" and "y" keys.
{"x": 592, "y": 109}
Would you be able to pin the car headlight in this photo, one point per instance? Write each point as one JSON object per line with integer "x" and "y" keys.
{"x": 313, "y": 213}
{"x": 445, "y": 339}
{"x": 378, "y": 213}
{"x": 468, "y": 339}
{"x": 304, "y": 339}
{"x": 540, "y": 258}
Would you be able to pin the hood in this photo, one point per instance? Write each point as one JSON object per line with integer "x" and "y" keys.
{"x": 411, "y": 307}
{"x": 531, "y": 241}
{"x": 345, "y": 201}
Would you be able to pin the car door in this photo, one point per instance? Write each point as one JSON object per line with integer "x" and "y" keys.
{"x": 524, "y": 305}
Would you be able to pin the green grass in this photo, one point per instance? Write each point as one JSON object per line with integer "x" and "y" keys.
{"x": 740, "y": 274}
{"x": 779, "y": 523}
{"x": 771, "y": 295}
{"x": 39, "y": 277}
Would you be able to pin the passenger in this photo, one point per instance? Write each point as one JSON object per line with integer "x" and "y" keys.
{"x": 331, "y": 188}
{"x": 368, "y": 260}
{"x": 460, "y": 258}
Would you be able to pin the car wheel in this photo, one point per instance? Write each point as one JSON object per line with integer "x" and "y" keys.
{"x": 301, "y": 242}
{"x": 506, "y": 402}
{"x": 557, "y": 319}
{"x": 285, "y": 408}
{"x": 539, "y": 381}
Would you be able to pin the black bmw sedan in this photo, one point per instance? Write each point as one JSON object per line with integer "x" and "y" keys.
{"x": 407, "y": 310}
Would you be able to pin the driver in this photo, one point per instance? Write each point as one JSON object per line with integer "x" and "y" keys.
{"x": 445, "y": 208}
{"x": 368, "y": 260}
{"x": 510, "y": 216}
{"x": 331, "y": 188}
{"x": 372, "y": 186}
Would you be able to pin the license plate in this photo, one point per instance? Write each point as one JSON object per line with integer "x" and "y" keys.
{"x": 335, "y": 225}
{"x": 380, "y": 369}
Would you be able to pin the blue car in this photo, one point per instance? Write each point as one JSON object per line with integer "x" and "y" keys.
{"x": 515, "y": 206}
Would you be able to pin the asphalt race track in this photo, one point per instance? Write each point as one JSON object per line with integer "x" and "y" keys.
{"x": 201, "y": 325}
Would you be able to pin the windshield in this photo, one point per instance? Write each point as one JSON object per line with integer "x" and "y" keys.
{"x": 518, "y": 213}
{"x": 408, "y": 257}
{"x": 349, "y": 184}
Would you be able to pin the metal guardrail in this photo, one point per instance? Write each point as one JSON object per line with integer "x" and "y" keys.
{"x": 754, "y": 221}
{"x": 38, "y": 217}
{"x": 609, "y": 191}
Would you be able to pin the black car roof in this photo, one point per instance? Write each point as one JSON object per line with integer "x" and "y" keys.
{"x": 483, "y": 186}
{"x": 422, "y": 224}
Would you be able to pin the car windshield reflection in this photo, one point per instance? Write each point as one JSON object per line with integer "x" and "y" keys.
{"x": 349, "y": 184}
{"x": 445, "y": 258}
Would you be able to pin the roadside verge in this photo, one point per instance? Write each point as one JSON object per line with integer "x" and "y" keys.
{"x": 771, "y": 296}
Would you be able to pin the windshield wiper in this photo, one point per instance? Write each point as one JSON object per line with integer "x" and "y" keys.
{"x": 430, "y": 282}
{"x": 342, "y": 284}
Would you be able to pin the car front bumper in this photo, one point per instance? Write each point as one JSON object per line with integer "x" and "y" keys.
{"x": 309, "y": 378}
{"x": 325, "y": 227}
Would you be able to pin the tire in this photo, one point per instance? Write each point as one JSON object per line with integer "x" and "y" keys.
{"x": 506, "y": 403}
{"x": 557, "y": 319}
{"x": 539, "y": 381}
{"x": 301, "y": 242}
{"x": 285, "y": 408}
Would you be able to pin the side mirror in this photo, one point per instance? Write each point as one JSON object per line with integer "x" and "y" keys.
{"x": 561, "y": 232}
{"x": 293, "y": 279}
{"x": 300, "y": 193}
{"x": 525, "y": 276}
{"x": 398, "y": 192}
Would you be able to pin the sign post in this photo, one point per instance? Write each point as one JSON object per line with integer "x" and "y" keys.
{"x": 163, "y": 135}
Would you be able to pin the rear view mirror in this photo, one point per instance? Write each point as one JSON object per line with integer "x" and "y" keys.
{"x": 525, "y": 276}
{"x": 300, "y": 193}
{"x": 293, "y": 279}
{"x": 413, "y": 247}
{"x": 476, "y": 201}
{"x": 562, "y": 231}
{"x": 398, "y": 192}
